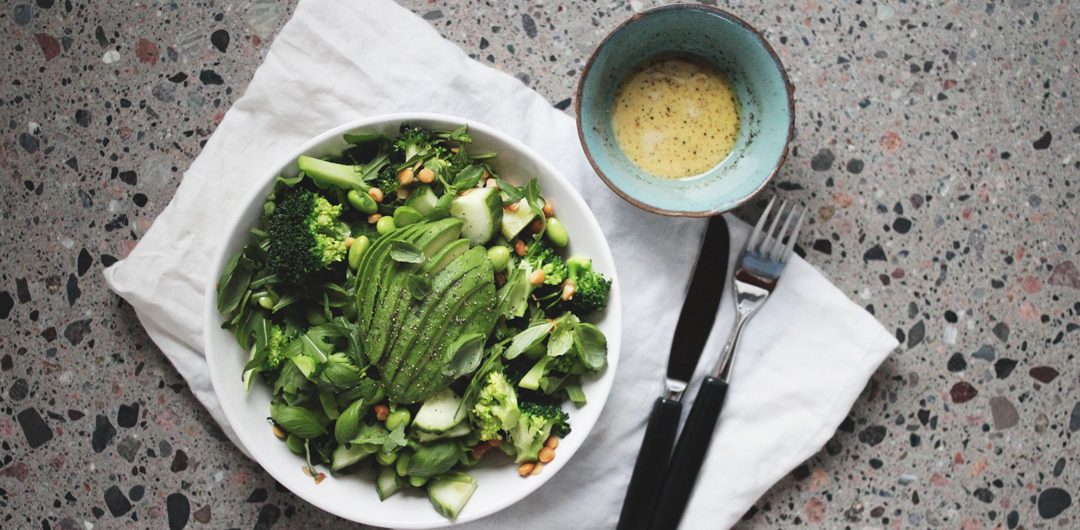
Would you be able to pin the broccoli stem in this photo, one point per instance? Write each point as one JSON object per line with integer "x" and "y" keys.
{"x": 328, "y": 174}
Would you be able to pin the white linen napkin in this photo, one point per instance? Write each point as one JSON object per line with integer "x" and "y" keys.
{"x": 804, "y": 359}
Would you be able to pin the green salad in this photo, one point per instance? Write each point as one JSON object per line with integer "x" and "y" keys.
{"x": 411, "y": 311}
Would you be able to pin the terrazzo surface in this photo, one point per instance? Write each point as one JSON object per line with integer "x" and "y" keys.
{"x": 936, "y": 144}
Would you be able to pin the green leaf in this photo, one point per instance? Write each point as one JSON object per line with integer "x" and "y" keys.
{"x": 591, "y": 345}
{"x": 465, "y": 354}
{"x": 297, "y": 420}
{"x": 290, "y": 381}
{"x": 329, "y": 405}
{"x": 348, "y": 423}
{"x": 371, "y": 434}
{"x": 468, "y": 177}
{"x": 461, "y": 134}
{"x": 536, "y": 203}
{"x": 433, "y": 459}
{"x": 512, "y": 192}
{"x": 562, "y": 339}
{"x": 419, "y": 286}
{"x": 234, "y": 282}
{"x": 405, "y": 252}
{"x": 395, "y": 439}
{"x": 284, "y": 301}
{"x": 527, "y": 339}
{"x": 306, "y": 364}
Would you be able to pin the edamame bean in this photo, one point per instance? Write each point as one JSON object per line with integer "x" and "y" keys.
{"x": 556, "y": 233}
{"x": 266, "y": 301}
{"x": 398, "y": 417}
{"x": 269, "y": 207}
{"x": 402, "y": 464}
{"x": 406, "y": 215}
{"x": 499, "y": 256}
{"x": 356, "y": 251}
{"x": 385, "y": 225}
{"x": 362, "y": 201}
{"x": 417, "y": 481}
{"x": 385, "y": 458}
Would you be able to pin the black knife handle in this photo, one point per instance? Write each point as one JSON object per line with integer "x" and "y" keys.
{"x": 689, "y": 454}
{"x": 651, "y": 464}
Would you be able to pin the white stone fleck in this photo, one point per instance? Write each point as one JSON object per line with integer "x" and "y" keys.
{"x": 114, "y": 206}
{"x": 884, "y": 12}
{"x": 88, "y": 525}
{"x": 219, "y": 476}
{"x": 949, "y": 336}
{"x": 67, "y": 243}
{"x": 110, "y": 57}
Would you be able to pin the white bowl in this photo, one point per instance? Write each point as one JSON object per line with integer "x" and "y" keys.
{"x": 353, "y": 496}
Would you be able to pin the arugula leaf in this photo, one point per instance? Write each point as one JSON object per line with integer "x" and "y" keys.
{"x": 467, "y": 178}
{"x": 461, "y": 134}
{"x": 395, "y": 439}
{"x": 536, "y": 204}
{"x": 527, "y": 339}
{"x": 234, "y": 282}
{"x": 512, "y": 192}
{"x": 405, "y": 252}
{"x": 465, "y": 354}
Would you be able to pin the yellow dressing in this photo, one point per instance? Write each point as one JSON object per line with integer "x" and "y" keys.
{"x": 676, "y": 117}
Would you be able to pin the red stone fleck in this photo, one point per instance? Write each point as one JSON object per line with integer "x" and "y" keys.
{"x": 962, "y": 392}
{"x": 949, "y": 83}
{"x": 1031, "y": 285}
{"x": 890, "y": 141}
{"x": 815, "y": 510}
{"x": 17, "y": 471}
{"x": 1065, "y": 275}
{"x": 898, "y": 273}
{"x": 966, "y": 213}
{"x": 938, "y": 480}
{"x": 1043, "y": 374}
{"x": 1028, "y": 311}
{"x": 49, "y": 45}
{"x": 256, "y": 41}
{"x": 146, "y": 51}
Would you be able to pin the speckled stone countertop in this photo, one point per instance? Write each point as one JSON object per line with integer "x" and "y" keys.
{"x": 937, "y": 145}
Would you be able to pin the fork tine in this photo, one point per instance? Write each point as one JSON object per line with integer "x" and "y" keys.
{"x": 752, "y": 241}
{"x": 766, "y": 241}
{"x": 794, "y": 235}
{"x": 778, "y": 245}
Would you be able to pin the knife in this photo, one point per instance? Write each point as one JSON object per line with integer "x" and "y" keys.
{"x": 695, "y": 322}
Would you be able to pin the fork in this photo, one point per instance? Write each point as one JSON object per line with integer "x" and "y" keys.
{"x": 757, "y": 273}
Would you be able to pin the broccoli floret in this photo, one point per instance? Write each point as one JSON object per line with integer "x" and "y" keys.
{"x": 496, "y": 406}
{"x": 387, "y": 181}
{"x": 539, "y": 376}
{"x": 304, "y": 235}
{"x": 537, "y": 422}
{"x": 415, "y": 142}
{"x": 590, "y": 288}
{"x": 540, "y": 256}
{"x": 275, "y": 346}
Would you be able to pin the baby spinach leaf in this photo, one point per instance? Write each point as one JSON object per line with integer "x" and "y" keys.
{"x": 465, "y": 354}
{"x": 562, "y": 339}
{"x": 297, "y": 420}
{"x": 591, "y": 345}
{"x": 405, "y": 252}
{"x": 348, "y": 423}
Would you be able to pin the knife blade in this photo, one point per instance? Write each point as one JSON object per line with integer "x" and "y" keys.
{"x": 691, "y": 332}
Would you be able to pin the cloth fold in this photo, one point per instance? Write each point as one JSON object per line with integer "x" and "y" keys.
{"x": 803, "y": 361}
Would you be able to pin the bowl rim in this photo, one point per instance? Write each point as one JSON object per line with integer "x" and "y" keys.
{"x": 211, "y": 317}
{"x": 788, "y": 88}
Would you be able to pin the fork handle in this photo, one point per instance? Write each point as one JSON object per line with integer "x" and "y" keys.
{"x": 689, "y": 454}
{"x": 727, "y": 355}
{"x": 651, "y": 464}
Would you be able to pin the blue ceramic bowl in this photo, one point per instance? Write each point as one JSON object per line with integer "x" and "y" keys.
{"x": 767, "y": 112}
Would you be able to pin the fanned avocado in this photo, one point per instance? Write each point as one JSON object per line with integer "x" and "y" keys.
{"x": 407, "y": 335}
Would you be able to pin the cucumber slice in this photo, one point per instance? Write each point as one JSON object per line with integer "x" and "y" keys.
{"x": 459, "y": 430}
{"x": 440, "y": 412}
{"x": 515, "y": 221}
{"x": 480, "y": 209}
{"x": 387, "y": 482}
{"x": 423, "y": 199}
{"x": 344, "y": 457}
{"x": 449, "y": 493}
